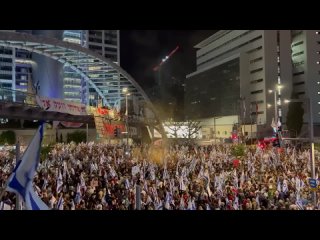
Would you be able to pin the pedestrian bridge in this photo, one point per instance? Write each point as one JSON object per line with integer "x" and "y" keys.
{"x": 105, "y": 77}
{"x": 21, "y": 105}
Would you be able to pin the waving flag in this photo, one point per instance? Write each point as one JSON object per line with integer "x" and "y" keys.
{"x": 59, "y": 182}
{"x": 274, "y": 126}
{"x": 279, "y": 186}
{"x": 78, "y": 194}
{"x": 285, "y": 186}
{"x": 20, "y": 181}
{"x": 60, "y": 203}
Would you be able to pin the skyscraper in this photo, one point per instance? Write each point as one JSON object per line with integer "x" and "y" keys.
{"x": 105, "y": 43}
{"x": 237, "y": 70}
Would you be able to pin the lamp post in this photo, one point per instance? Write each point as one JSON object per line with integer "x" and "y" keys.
{"x": 311, "y": 139}
{"x": 125, "y": 91}
{"x": 214, "y": 128}
{"x": 276, "y": 89}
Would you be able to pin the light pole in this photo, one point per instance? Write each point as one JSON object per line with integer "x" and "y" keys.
{"x": 214, "y": 129}
{"x": 125, "y": 91}
{"x": 276, "y": 89}
{"x": 311, "y": 139}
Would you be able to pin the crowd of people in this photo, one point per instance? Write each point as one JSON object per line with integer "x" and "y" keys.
{"x": 95, "y": 176}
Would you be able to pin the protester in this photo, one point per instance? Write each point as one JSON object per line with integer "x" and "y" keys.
{"x": 91, "y": 176}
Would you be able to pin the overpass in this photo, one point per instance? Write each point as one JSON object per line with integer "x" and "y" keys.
{"x": 105, "y": 77}
{"x": 21, "y": 105}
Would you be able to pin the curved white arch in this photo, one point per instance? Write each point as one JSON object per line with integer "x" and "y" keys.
{"x": 97, "y": 70}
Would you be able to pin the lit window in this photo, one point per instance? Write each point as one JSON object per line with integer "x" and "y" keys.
{"x": 318, "y": 82}
{"x": 318, "y": 102}
{"x": 318, "y": 62}
{"x": 318, "y": 92}
{"x": 317, "y": 32}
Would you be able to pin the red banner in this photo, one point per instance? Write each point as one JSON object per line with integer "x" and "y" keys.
{"x": 72, "y": 124}
{"x": 111, "y": 113}
{"x": 109, "y": 128}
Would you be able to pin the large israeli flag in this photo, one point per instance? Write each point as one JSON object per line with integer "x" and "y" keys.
{"x": 20, "y": 181}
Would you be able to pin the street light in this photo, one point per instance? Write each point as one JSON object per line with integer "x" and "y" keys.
{"x": 311, "y": 139}
{"x": 277, "y": 88}
{"x": 214, "y": 128}
{"x": 125, "y": 91}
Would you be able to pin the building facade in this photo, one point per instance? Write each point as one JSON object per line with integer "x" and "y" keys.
{"x": 250, "y": 73}
{"x": 20, "y": 68}
{"x": 105, "y": 43}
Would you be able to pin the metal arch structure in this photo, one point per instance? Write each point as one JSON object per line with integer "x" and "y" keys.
{"x": 105, "y": 77}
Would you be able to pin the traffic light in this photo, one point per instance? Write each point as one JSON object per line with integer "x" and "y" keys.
{"x": 115, "y": 132}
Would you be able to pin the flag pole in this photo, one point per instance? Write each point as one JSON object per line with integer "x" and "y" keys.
{"x": 17, "y": 160}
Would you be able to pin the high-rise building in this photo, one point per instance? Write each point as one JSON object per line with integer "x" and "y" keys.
{"x": 105, "y": 43}
{"x": 238, "y": 72}
{"x": 18, "y": 68}
{"x": 15, "y": 68}
{"x": 74, "y": 86}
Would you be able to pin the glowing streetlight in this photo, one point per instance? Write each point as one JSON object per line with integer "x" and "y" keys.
{"x": 277, "y": 88}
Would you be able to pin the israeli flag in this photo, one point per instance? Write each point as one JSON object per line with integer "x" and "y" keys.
{"x": 60, "y": 203}
{"x": 279, "y": 186}
{"x": 20, "y": 181}
{"x": 59, "y": 182}
{"x": 299, "y": 204}
{"x": 78, "y": 195}
{"x": 285, "y": 186}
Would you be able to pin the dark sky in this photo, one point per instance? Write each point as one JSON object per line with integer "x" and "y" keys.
{"x": 141, "y": 50}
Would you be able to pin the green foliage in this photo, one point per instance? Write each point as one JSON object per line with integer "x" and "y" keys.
{"x": 77, "y": 137}
{"x": 295, "y": 113}
{"x": 238, "y": 150}
{"x": 8, "y": 137}
{"x": 45, "y": 150}
{"x": 317, "y": 146}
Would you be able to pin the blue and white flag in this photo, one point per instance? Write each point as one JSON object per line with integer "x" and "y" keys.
{"x": 60, "y": 203}
{"x": 59, "y": 182}
{"x": 299, "y": 204}
{"x": 285, "y": 186}
{"x": 78, "y": 194}
{"x": 20, "y": 181}
{"x": 279, "y": 186}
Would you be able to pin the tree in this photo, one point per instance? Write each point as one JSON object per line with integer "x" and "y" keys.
{"x": 193, "y": 127}
{"x": 173, "y": 126}
{"x": 61, "y": 138}
{"x": 45, "y": 150}
{"x": 295, "y": 113}
{"x": 8, "y": 137}
{"x": 238, "y": 150}
{"x": 77, "y": 137}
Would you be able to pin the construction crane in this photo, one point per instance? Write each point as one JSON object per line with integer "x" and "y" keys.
{"x": 156, "y": 68}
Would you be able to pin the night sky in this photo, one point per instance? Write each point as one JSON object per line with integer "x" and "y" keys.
{"x": 141, "y": 50}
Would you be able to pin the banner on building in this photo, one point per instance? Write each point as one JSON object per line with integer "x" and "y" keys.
{"x": 71, "y": 124}
{"x": 109, "y": 113}
{"x": 108, "y": 129}
{"x": 63, "y": 106}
